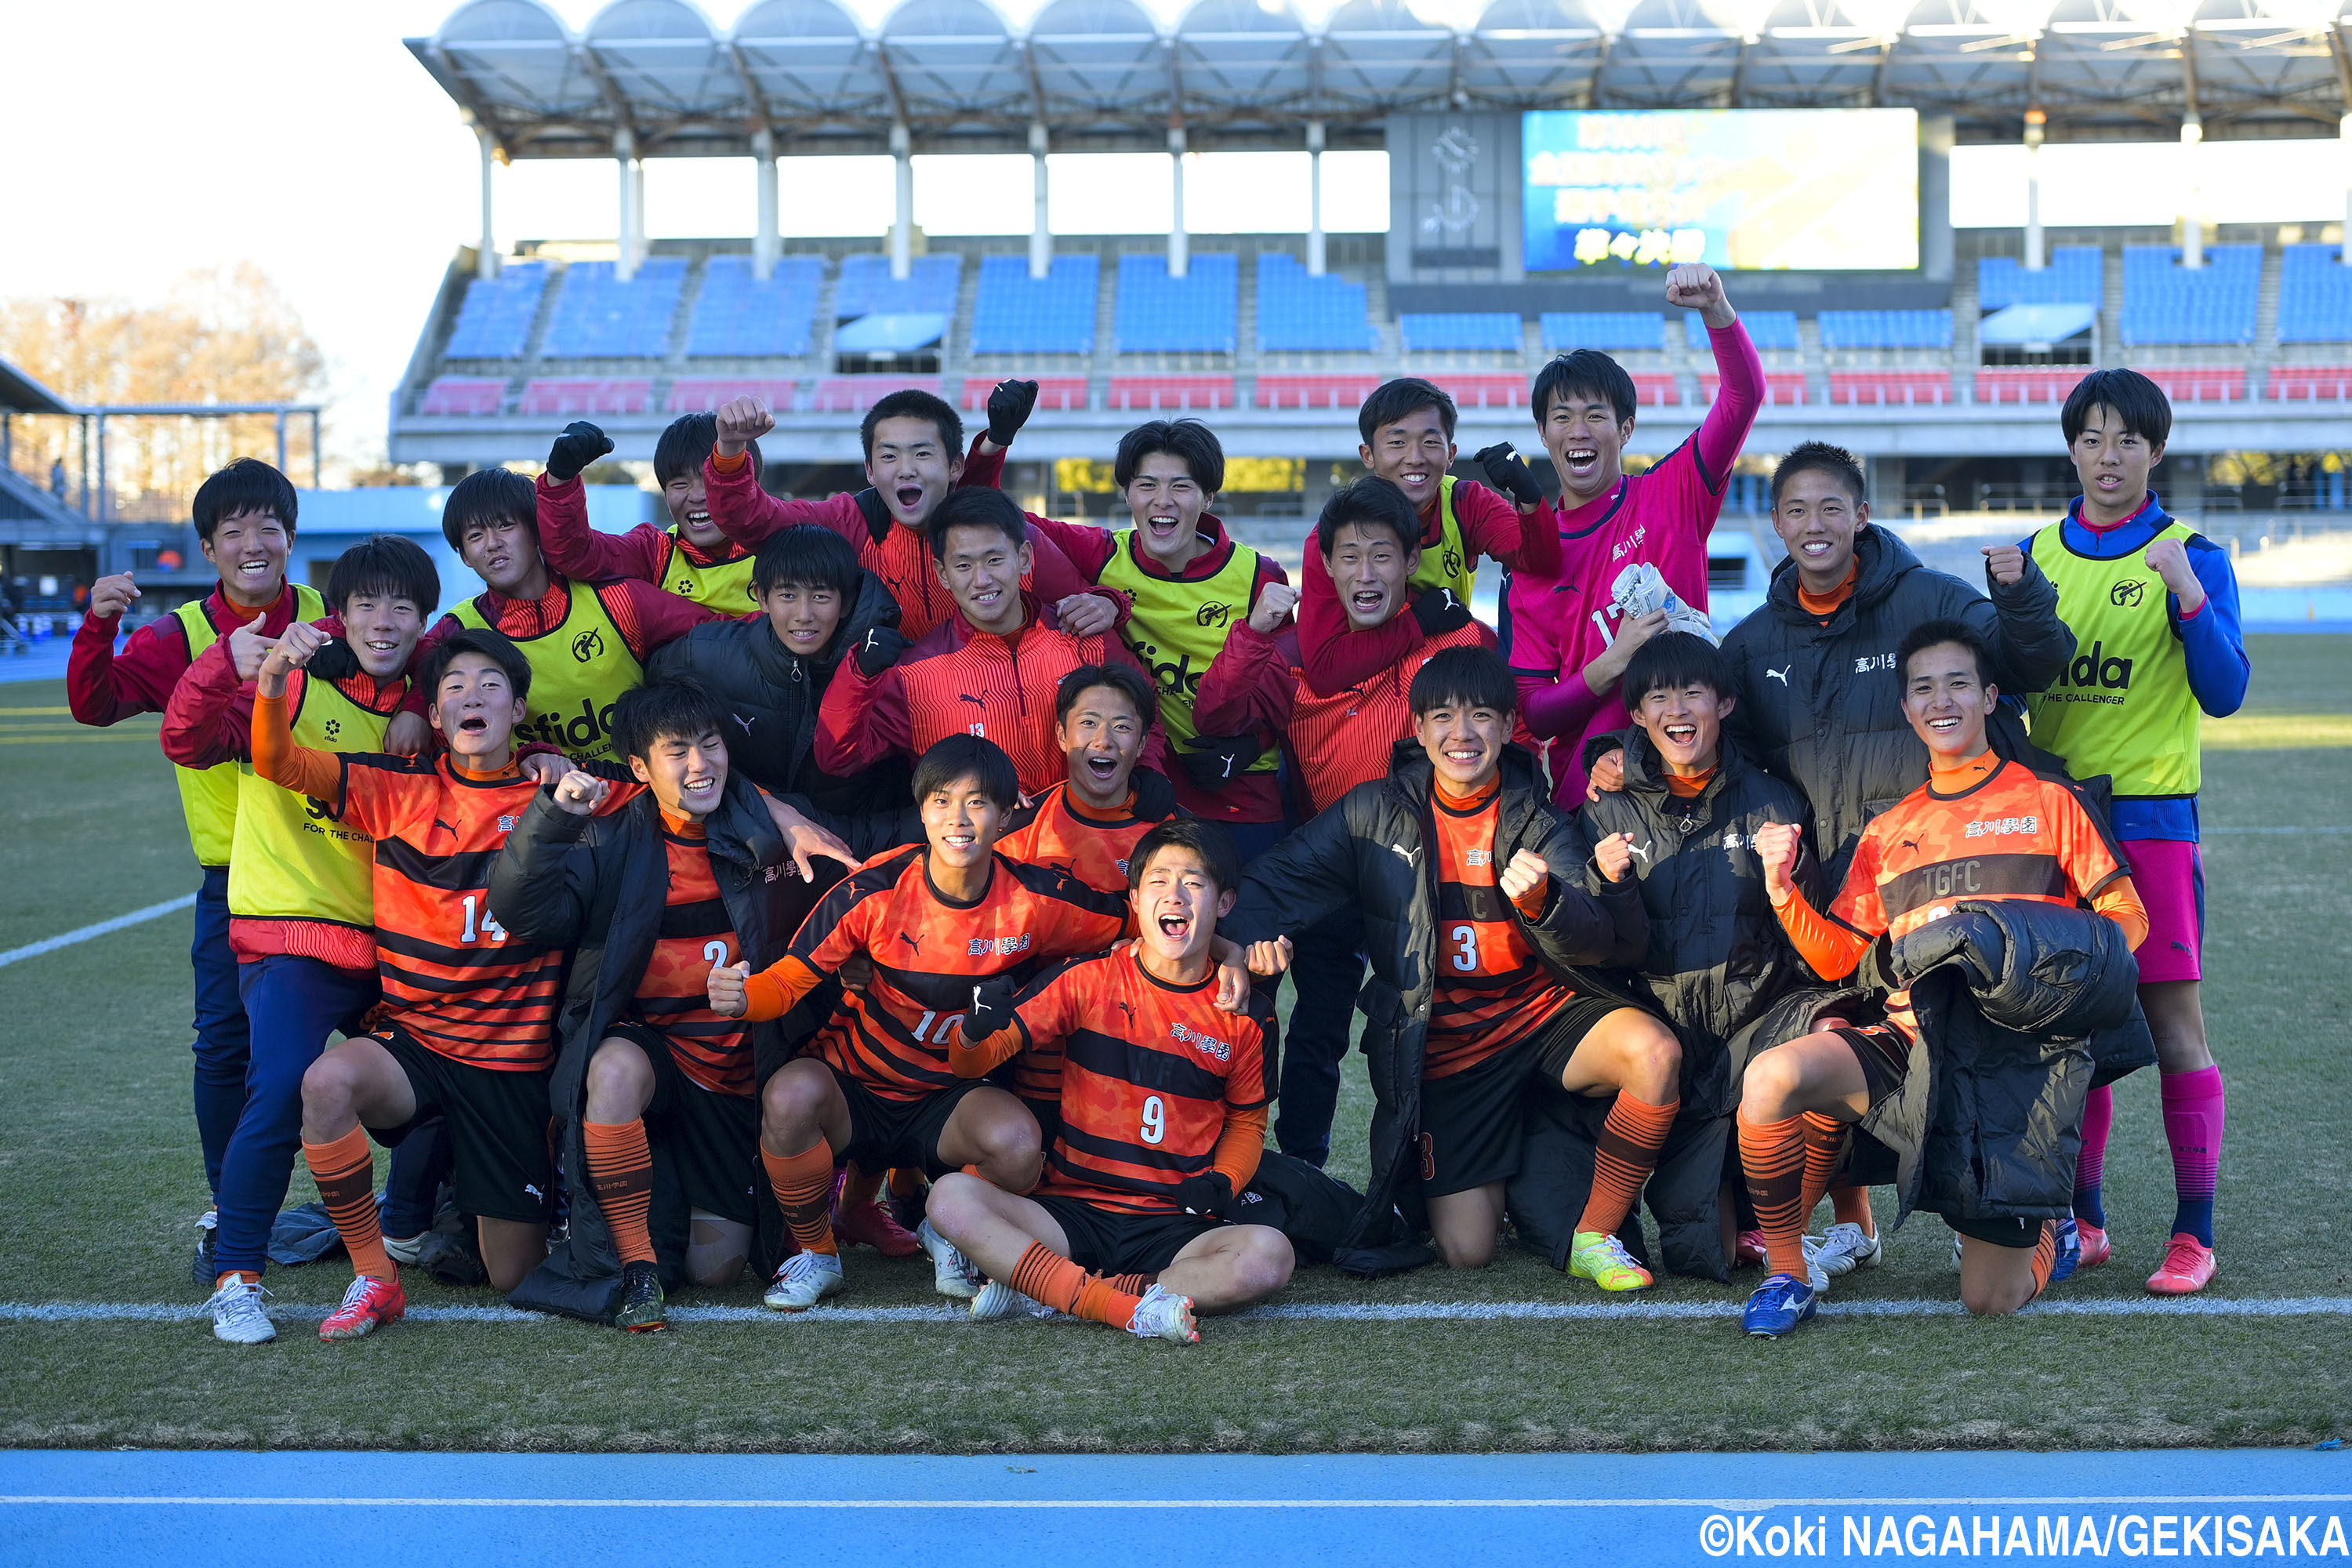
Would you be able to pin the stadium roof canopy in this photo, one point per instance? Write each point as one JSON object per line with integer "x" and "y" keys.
{"x": 1109, "y": 75}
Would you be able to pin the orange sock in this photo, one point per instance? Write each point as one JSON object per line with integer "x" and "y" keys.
{"x": 1133, "y": 1284}
{"x": 1824, "y": 1147}
{"x": 859, "y": 1189}
{"x": 2045, "y": 1257}
{"x": 345, "y": 1171}
{"x": 620, "y": 1180}
{"x": 1773, "y": 1155}
{"x": 1630, "y": 1140}
{"x": 250, "y": 1276}
{"x": 803, "y": 1183}
{"x": 1851, "y": 1206}
{"x": 1046, "y": 1276}
{"x": 908, "y": 1181}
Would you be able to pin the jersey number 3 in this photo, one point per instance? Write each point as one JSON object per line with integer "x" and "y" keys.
{"x": 1466, "y": 957}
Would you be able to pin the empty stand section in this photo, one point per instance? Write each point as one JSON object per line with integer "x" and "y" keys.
{"x": 1890, "y": 388}
{"x": 464, "y": 395}
{"x": 598, "y": 316}
{"x": 1766, "y": 330}
{"x": 573, "y": 395}
{"x": 1196, "y": 313}
{"x": 1299, "y": 312}
{"x": 1782, "y": 389}
{"x": 1014, "y": 313}
{"x": 495, "y": 320}
{"x": 1170, "y": 394}
{"x": 1465, "y": 331}
{"x": 1055, "y": 394}
{"x": 1472, "y": 391}
{"x": 739, "y": 315}
{"x": 1654, "y": 389}
{"x": 857, "y": 393}
{"x": 2199, "y": 382}
{"x": 2165, "y": 302}
{"x": 869, "y": 290}
{"x": 1341, "y": 391}
{"x": 2072, "y": 278}
{"x": 702, "y": 394}
{"x": 2028, "y": 383}
{"x": 2314, "y": 295}
{"x": 1887, "y": 328}
{"x": 1566, "y": 330}
{"x": 2309, "y": 383}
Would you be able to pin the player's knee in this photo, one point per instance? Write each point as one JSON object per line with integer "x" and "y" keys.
{"x": 1655, "y": 1056}
{"x": 1771, "y": 1081}
{"x": 1465, "y": 1251}
{"x": 1991, "y": 1299}
{"x": 616, "y": 1079}
{"x": 790, "y": 1102}
{"x": 954, "y": 1202}
{"x": 329, "y": 1089}
{"x": 1264, "y": 1262}
{"x": 506, "y": 1273}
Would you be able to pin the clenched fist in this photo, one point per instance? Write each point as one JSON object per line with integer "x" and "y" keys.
{"x": 1615, "y": 855}
{"x": 1274, "y": 603}
{"x": 1777, "y": 845}
{"x": 110, "y": 595}
{"x": 742, "y": 421}
{"x": 1526, "y": 873}
{"x": 1694, "y": 286}
{"x": 580, "y": 794}
{"x": 726, "y": 990}
{"x": 2167, "y": 558}
{"x": 2004, "y": 564}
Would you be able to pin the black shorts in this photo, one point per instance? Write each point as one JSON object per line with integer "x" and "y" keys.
{"x": 1473, "y": 1121}
{"x": 1885, "y": 1052}
{"x": 498, "y": 1128}
{"x": 1049, "y": 1119}
{"x": 712, "y": 1139}
{"x": 1112, "y": 1243}
{"x": 883, "y": 1133}
{"x": 2020, "y": 1234}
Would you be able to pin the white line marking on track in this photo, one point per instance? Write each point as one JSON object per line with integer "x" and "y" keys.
{"x": 51, "y": 944}
{"x": 2276, "y": 830}
{"x": 1732, "y": 1505}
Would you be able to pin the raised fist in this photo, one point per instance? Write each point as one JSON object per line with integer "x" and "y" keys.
{"x": 742, "y": 421}
{"x": 1508, "y": 475}
{"x": 1274, "y": 603}
{"x": 580, "y": 445}
{"x": 1009, "y": 405}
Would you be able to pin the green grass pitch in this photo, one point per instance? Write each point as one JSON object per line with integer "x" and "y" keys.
{"x": 100, "y": 1183}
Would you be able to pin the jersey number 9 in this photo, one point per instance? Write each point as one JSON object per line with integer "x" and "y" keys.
{"x": 1155, "y": 1120}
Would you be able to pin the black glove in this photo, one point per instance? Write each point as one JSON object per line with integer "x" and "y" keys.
{"x": 992, "y": 1007}
{"x": 878, "y": 650}
{"x": 1009, "y": 404}
{"x": 580, "y": 445}
{"x": 1439, "y": 612}
{"x": 333, "y": 661}
{"x": 1507, "y": 474}
{"x": 1213, "y": 762}
{"x": 1209, "y": 1194}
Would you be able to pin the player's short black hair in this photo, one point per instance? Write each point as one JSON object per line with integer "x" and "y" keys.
{"x": 1120, "y": 677}
{"x": 1392, "y": 400}
{"x": 976, "y": 506}
{"x": 1368, "y": 501}
{"x": 687, "y": 443}
{"x": 973, "y": 757}
{"x": 911, "y": 402}
{"x": 1935, "y": 634}
{"x": 2132, "y": 397}
{"x": 1819, "y": 457}
{"x": 484, "y": 495}
{"x": 1208, "y": 840}
{"x": 1588, "y": 371}
{"x": 807, "y": 556}
{"x": 1671, "y": 661}
{"x": 247, "y": 484}
{"x": 1203, "y": 454}
{"x": 662, "y": 711}
{"x": 489, "y": 643}
{"x": 1467, "y": 678}
{"x": 386, "y": 566}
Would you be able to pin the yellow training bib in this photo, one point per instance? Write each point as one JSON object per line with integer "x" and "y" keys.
{"x": 208, "y": 795}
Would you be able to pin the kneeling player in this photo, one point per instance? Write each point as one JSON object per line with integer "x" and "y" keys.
{"x": 1163, "y": 1119}
{"x": 2043, "y": 845}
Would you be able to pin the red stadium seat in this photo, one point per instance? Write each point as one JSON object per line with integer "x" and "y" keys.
{"x": 1314, "y": 391}
{"x": 2200, "y": 382}
{"x": 857, "y": 393}
{"x": 2311, "y": 383}
{"x": 464, "y": 394}
{"x": 1654, "y": 391}
{"x": 1066, "y": 393}
{"x": 1891, "y": 388}
{"x": 2028, "y": 384}
{"x": 573, "y": 395}
{"x": 703, "y": 393}
{"x": 1485, "y": 391}
{"x": 1169, "y": 392}
{"x": 1782, "y": 389}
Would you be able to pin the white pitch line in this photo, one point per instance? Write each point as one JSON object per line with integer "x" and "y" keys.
{"x": 51, "y": 944}
{"x": 2275, "y": 830}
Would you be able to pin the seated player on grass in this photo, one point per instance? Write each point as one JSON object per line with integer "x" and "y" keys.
{"x": 2043, "y": 844}
{"x": 1475, "y": 890}
{"x": 1163, "y": 1118}
{"x": 468, "y": 1031}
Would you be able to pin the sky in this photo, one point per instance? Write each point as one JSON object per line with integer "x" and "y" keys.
{"x": 300, "y": 134}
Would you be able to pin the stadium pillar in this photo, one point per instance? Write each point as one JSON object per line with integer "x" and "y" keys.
{"x": 2343, "y": 247}
{"x": 1041, "y": 232}
{"x": 902, "y": 232}
{"x": 1315, "y": 198}
{"x": 625, "y": 152}
{"x": 2192, "y": 205}
{"x": 486, "y": 259}
{"x": 2033, "y": 246}
{"x": 764, "y": 244}
{"x": 1179, "y": 252}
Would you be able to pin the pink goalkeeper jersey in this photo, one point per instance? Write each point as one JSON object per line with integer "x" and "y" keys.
{"x": 1554, "y": 627}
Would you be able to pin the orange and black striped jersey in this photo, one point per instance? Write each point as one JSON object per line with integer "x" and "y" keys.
{"x": 1150, "y": 1073}
{"x": 928, "y": 951}
{"x": 1492, "y": 990}
{"x": 1073, "y": 838}
{"x": 674, "y": 994}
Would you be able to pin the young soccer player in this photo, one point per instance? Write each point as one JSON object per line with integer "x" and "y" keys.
{"x": 1564, "y": 633}
{"x": 691, "y": 558}
{"x": 300, "y": 904}
{"x": 587, "y": 642}
{"x": 1162, "y": 1119}
{"x": 993, "y": 669}
{"x": 913, "y": 444}
{"x": 2153, "y": 606}
{"x": 244, "y": 517}
{"x": 1478, "y": 892}
{"x": 1994, "y": 828}
{"x": 469, "y": 1032}
{"x": 1087, "y": 825}
{"x": 1369, "y": 540}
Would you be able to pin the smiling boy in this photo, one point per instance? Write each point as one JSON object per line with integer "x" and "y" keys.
{"x": 692, "y": 558}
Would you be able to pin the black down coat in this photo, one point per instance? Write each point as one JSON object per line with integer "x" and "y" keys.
{"x": 1370, "y": 851}
{"x": 1821, "y": 706}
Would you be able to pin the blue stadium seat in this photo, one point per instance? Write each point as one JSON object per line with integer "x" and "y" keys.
{"x": 1887, "y": 328}
{"x": 1197, "y": 314}
{"x": 737, "y": 314}
{"x": 1465, "y": 330}
{"x": 867, "y": 289}
{"x": 495, "y": 320}
{"x": 1297, "y": 311}
{"x": 2076, "y": 275}
{"x": 1766, "y": 329}
{"x": 1014, "y": 313}
{"x": 1565, "y": 330}
{"x": 598, "y": 316}
{"x": 2314, "y": 295}
{"x": 2165, "y": 302}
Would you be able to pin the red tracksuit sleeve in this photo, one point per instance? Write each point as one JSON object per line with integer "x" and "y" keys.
{"x": 209, "y": 719}
{"x": 986, "y": 468}
{"x": 576, "y": 550}
{"x": 1334, "y": 658}
{"x": 748, "y": 515}
{"x": 1493, "y": 527}
{"x": 103, "y": 687}
{"x": 1089, "y": 550}
{"x": 861, "y": 721}
{"x": 648, "y": 617}
{"x": 1248, "y": 686}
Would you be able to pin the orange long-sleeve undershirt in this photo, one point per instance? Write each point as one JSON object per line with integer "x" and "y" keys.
{"x": 1240, "y": 1145}
{"x": 275, "y": 757}
{"x": 1834, "y": 951}
{"x": 778, "y": 989}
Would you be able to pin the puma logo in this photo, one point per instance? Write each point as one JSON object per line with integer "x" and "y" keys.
{"x": 1780, "y": 675}
{"x": 1402, "y": 852}
{"x": 968, "y": 697}
{"x": 747, "y": 723}
{"x": 1643, "y": 850}
{"x": 914, "y": 941}
{"x": 1910, "y": 844}
{"x": 1127, "y": 1008}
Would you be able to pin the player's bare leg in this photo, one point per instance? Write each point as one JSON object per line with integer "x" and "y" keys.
{"x": 803, "y": 1120}
{"x": 993, "y": 1129}
{"x": 1465, "y": 1224}
{"x": 510, "y": 1249}
{"x": 990, "y": 1226}
{"x": 357, "y": 1082}
{"x": 1636, "y": 1058}
{"x": 1226, "y": 1269}
{"x": 1997, "y": 1280}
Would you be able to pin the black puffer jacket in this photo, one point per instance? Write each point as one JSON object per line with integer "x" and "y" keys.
{"x": 1821, "y": 706}
{"x": 1370, "y": 851}
{"x": 772, "y": 695}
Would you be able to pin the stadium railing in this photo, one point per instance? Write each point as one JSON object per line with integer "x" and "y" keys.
{"x": 1316, "y": 391}
{"x": 703, "y": 393}
{"x": 1896, "y": 389}
{"x": 2311, "y": 383}
{"x": 1057, "y": 393}
{"x": 1782, "y": 389}
{"x": 1169, "y": 393}
{"x": 2028, "y": 384}
{"x": 469, "y": 394}
{"x": 857, "y": 393}
{"x": 570, "y": 394}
